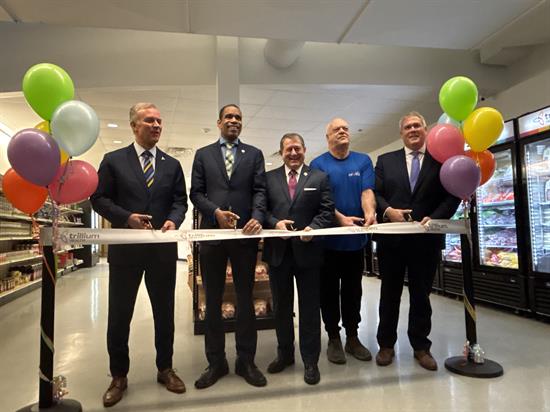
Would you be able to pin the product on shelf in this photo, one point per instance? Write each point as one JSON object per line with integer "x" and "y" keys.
{"x": 228, "y": 310}
{"x": 261, "y": 272}
{"x": 501, "y": 258}
{"x": 260, "y": 307}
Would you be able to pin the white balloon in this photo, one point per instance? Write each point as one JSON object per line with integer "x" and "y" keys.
{"x": 75, "y": 127}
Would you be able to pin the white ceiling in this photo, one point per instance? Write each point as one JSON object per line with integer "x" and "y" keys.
{"x": 366, "y": 61}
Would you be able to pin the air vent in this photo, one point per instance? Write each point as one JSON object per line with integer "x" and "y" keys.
{"x": 180, "y": 152}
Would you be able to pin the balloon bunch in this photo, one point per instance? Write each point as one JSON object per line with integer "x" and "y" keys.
{"x": 464, "y": 171}
{"x": 40, "y": 157}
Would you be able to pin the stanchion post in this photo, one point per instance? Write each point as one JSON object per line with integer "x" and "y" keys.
{"x": 47, "y": 313}
{"x": 472, "y": 363}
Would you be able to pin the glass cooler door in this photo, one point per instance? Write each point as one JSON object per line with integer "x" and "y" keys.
{"x": 496, "y": 217}
{"x": 537, "y": 166}
{"x": 452, "y": 252}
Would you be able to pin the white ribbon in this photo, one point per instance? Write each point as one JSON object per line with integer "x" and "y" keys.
{"x": 83, "y": 236}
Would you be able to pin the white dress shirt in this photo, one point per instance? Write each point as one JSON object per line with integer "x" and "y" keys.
{"x": 140, "y": 150}
{"x": 298, "y": 172}
{"x": 409, "y": 157}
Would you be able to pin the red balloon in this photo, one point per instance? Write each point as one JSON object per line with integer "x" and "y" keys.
{"x": 23, "y": 195}
{"x": 485, "y": 161}
{"x": 445, "y": 141}
{"x": 75, "y": 181}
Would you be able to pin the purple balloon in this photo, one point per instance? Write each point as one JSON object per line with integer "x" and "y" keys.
{"x": 460, "y": 176}
{"x": 34, "y": 155}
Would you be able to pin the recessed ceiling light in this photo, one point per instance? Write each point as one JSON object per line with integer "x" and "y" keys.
{"x": 112, "y": 125}
{"x": 117, "y": 141}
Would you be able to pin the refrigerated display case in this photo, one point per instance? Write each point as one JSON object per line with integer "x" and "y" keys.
{"x": 496, "y": 216}
{"x": 452, "y": 253}
{"x": 534, "y": 132}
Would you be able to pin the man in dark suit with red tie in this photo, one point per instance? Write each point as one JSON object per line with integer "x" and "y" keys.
{"x": 228, "y": 189}
{"x": 141, "y": 187}
{"x": 408, "y": 188}
{"x": 299, "y": 198}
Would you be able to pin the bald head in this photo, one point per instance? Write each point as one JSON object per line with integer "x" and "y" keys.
{"x": 338, "y": 137}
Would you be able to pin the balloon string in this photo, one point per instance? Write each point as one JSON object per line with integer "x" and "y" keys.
{"x": 62, "y": 178}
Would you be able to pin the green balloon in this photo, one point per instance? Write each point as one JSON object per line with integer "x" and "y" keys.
{"x": 45, "y": 87}
{"x": 458, "y": 97}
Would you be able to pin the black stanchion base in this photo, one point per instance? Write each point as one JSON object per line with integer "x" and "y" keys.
{"x": 65, "y": 405}
{"x": 461, "y": 366}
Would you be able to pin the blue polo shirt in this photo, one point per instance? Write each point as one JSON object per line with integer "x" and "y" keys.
{"x": 348, "y": 178}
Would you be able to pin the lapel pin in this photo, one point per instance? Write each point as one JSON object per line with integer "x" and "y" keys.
{"x": 162, "y": 158}
{"x": 305, "y": 173}
{"x": 242, "y": 150}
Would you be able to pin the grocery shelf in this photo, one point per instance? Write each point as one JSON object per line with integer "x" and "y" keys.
{"x": 20, "y": 290}
{"x": 11, "y": 262}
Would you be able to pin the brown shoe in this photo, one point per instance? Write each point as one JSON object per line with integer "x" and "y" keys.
{"x": 172, "y": 382}
{"x": 384, "y": 357}
{"x": 355, "y": 348}
{"x": 425, "y": 359}
{"x": 115, "y": 391}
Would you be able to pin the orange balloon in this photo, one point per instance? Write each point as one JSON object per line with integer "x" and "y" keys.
{"x": 23, "y": 195}
{"x": 485, "y": 161}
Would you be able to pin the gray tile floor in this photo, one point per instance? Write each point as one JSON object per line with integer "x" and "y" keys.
{"x": 521, "y": 345}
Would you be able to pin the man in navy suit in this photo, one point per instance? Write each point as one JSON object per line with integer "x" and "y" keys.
{"x": 141, "y": 187}
{"x": 300, "y": 198}
{"x": 228, "y": 189}
{"x": 408, "y": 188}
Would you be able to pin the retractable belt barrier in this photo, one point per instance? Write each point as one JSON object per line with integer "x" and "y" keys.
{"x": 67, "y": 236}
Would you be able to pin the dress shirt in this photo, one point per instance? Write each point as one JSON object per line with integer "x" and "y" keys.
{"x": 235, "y": 143}
{"x": 409, "y": 156}
{"x": 140, "y": 150}
{"x": 298, "y": 172}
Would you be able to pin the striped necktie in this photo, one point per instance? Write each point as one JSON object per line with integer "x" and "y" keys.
{"x": 148, "y": 169}
{"x": 229, "y": 159}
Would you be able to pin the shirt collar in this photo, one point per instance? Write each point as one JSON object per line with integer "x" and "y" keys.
{"x": 298, "y": 171}
{"x": 409, "y": 152}
{"x": 140, "y": 149}
{"x": 223, "y": 141}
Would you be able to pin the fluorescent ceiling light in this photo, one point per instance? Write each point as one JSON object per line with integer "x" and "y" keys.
{"x": 112, "y": 125}
{"x": 117, "y": 141}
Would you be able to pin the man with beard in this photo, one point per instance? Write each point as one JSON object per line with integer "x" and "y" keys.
{"x": 351, "y": 178}
{"x": 228, "y": 189}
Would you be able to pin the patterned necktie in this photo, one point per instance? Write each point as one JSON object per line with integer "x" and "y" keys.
{"x": 292, "y": 182}
{"x": 229, "y": 159}
{"x": 148, "y": 169}
{"x": 415, "y": 169}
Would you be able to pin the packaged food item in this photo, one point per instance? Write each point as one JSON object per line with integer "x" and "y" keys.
{"x": 260, "y": 307}
{"x": 228, "y": 310}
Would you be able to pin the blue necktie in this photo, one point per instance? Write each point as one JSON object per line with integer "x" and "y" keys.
{"x": 415, "y": 169}
{"x": 148, "y": 169}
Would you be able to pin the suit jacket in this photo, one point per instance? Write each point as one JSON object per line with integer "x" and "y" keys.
{"x": 312, "y": 206}
{"x": 122, "y": 191}
{"x": 429, "y": 197}
{"x": 211, "y": 188}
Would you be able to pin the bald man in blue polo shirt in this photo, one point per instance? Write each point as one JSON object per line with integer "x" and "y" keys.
{"x": 351, "y": 176}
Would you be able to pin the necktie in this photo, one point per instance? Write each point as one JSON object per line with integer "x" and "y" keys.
{"x": 415, "y": 169}
{"x": 292, "y": 182}
{"x": 229, "y": 158}
{"x": 148, "y": 169}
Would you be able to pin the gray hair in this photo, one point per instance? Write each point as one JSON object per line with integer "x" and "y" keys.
{"x": 137, "y": 107}
{"x": 412, "y": 114}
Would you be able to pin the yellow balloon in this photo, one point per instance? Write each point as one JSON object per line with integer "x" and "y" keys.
{"x": 482, "y": 128}
{"x": 64, "y": 156}
{"x": 44, "y": 126}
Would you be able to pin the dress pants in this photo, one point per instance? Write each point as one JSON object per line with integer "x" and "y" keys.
{"x": 419, "y": 256}
{"x": 281, "y": 279}
{"x": 213, "y": 262}
{"x": 341, "y": 276}
{"x": 124, "y": 281}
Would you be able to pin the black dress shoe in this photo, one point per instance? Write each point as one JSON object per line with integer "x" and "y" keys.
{"x": 311, "y": 374}
{"x": 279, "y": 364}
{"x": 250, "y": 373}
{"x": 211, "y": 375}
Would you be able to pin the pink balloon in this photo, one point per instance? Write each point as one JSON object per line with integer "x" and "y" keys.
{"x": 460, "y": 176}
{"x": 445, "y": 141}
{"x": 75, "y": 181}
